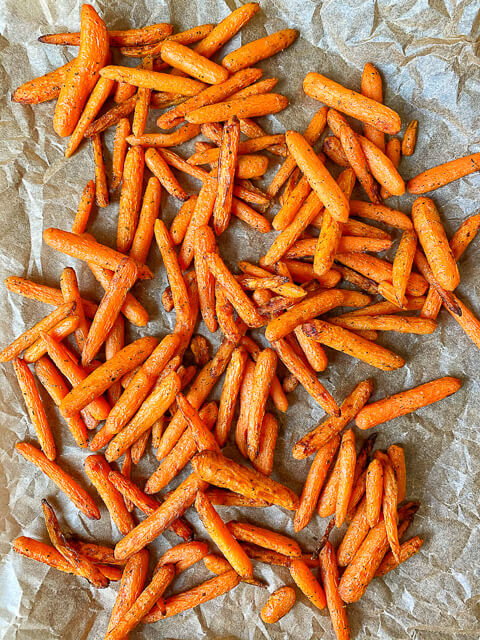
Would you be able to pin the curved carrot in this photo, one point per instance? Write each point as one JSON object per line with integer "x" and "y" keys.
{"x": 80, "y": 498}
{"x": 441, "y": 175}
{"x": 148, "y": 214}
{"x": 307, "y": 583}
{"x": 330, "y": 580}
{"x": 268, "y": 439}
{"x": 407, "y": 550}
{"x": 251, "y": 53}
{"x": 43, "y": 88}
{"x": 154, "y": 80}
{"x": 389, "y": 508}
{"x": 374, "y": 492}
{"x": 71, "y": 293}
{"x": 355, "y": 535}
{"x": 371, "y": 87}
{"x": 402, "y": 264}
{"x": 180, "y": 223}
{"x": 249, "y": 107}
{"x": 192, "y": 63}
{"x": 382, "y": 168}
{"x": 410, "y": 138}
{"x": 133, "y": 581}
{"x": 60, "y": 331}
{"x": 244, "y": 407}
{"x": 433, "y": 239}
{"x": 352, "y": 103}
{"x": 84, "y": 208}
{"x": 278, "y": 605}
{"x": 184, "y": 555}
{"x": 265, "y": 368}
{"x": 204, "y": 440}
{"x": 183, "y": 134}
{"x": 397, "y": 458}
{"x": 406, "y": 402}
{"x": 112, "y": 116}
{"x": 83, "y": 74}
{"x": 227, "y": 165}
{"x": 264, "y": 538}
{"x": 204, "y": 241}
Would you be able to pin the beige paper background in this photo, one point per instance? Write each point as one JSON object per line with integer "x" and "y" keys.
{"x": 427, "y": 52}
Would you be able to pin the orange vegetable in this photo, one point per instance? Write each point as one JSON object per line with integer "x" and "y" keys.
{"x": 278, "y": 605}
{"x": 192, "y": 63}
{"x": 264, "y": 538}
{"x": 410, "y": 138}
{"x": 244, "y": 408}
{"x": 393, "y": 150}
{"x": 407, "y": 550}
{"x": 181, "y": 135}
{"x": 389, "y": 508}
{"x": 356, "y": 533}
{"x": 397, "y": 459}
{"x": 204, "y": 241}
{"x": 123, "y": 38}
{"x": 83, "y": 74}
{"x": 374, "y": 492}
{"x": 180, "y": 223}
{"x": 402, "y": 324}
{"x": 161, "y": 170}
{"x": 227, "y": 165}
{"x": 249, "y": 107}
{"x": 268, "y": 439}
{"x": 80, "y": 498}
{"x": 101, "y": 186}
{"x": 230, "y": 391}
{"x": 201, "y": 216}
{"x": 43, "y": 88}
{"x": 346, "y": 467}
{"x": 265, "y": 368}
{"x": 382, "y": 168}
{"x": 406, "y": 402}
{"x": 84, "y": 208}
{"x": 437, "y": 177}
{"x": 352, "y": 103}
{"x": 402, "y": 264}
{"x": 120, "y": 145}
{"x": 371, "y": 87}
{"x": 131, "y": 586}
{"x": 381, "y": 213}
{"x": 330, "y": 580}
{"x": 251, "y": 53}
{"x": 112, "y": 116}
{"x": 154, "y": 80}
{"x": 148, "y": 214}
{"x": 307, "y": 583}
{"x": 332, "y": 148}
{"x": 183, "y": 555}
{"x": 69, "y": 288}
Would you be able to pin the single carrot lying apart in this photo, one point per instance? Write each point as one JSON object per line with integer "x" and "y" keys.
{"x": 307, "y": 583}
{"x": 257, "y": 50}
{"x": 278, "y": 605}
{"x": 443, "y": 174}
{"x": 406, "y": 402}
{"x": 64, "y": 482}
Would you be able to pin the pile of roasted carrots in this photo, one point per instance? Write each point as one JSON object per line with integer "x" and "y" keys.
{"x": 124, "y": 394}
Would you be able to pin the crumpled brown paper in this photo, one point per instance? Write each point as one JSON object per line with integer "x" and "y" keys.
{"x": 426, "y": 51}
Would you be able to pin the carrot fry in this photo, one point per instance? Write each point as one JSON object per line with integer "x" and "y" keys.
{"x": 406, "y": 402}
{"x": 244, "y": 408}
{"x": 70, "y": 292}
{"x": 84, "y": 247}
{"x": 218, "y": 565}
{"x": 180, "y": 223}
{"x": 410, "y": 138}
{"x": 264, "y": 538}
{"x": 320, "y": 179}
{"x": 268, "y": 439}
{"x": 265, "y": 368}
{"x": 161, "y": 170}
{"x": 120, "y": 145}
{"x": 381, "y": 213}
{"x": 437, "y": 177}
{"x": 225, "y": 473}
{"x": 84, "y": 208}
{"x": 389, "y": 508}
{"x": 226, "y": 29}
{"x": 371, "y": 87}
{"x": 203, "y": 439}
{"x": 397, "y": 459}
{"x": 95, "y": 552}
{"x": 155, "y": 80}
{"x": 332, "y": 148}
{"x": 374, "y": 492}
{"x": 52, "y": 380}
{"x": 198, "y": 595}
{"x": 330, "y": 580}
{"x": 204, "y": 241}
{"x": 123, "y": 38}
{"x": 131, "y": 586}
{"x": 306, "y": 376}
{"x": 80, "y": 498}
{"x": 251, "y": 53}
{"x": 42, "y": 293}
{"x": 97, "y": 469}
{"x": 58, "y": 332}
{"x": 433, "y": 239}
{"x": 249, "y": 107}
{"x": 343, "y": 340}
{"x": 142, "y": 102}
{"x": 393, "y": 151}
{"x": 152, "y": 594}
{"x": 43, "y": 88}
{"x": 307, "y": 583}
{"x": 402, "y": 264}
{"x": 130, "y": 198}
{"x": 382, "y": 168}
{"x": 402, "y": 324}
{"x": 83, "y": 74}
{"x": 278, "y": 605}
{"x": 201, "y": 387}
{"x": 183, "y": 134}
{"x": 224, "y": 498}
{"x": 226, "y": 172}
{"x": 138, "y": 448}
{"x": 111, "y": 117}
{"x": 407, "y": 550}
{"x": 192, "y": 63}
{"x": 314, "y": 483}
{"x": 181, "y": 453}
{"x": 201, "y": 215}
{"x": 449, "y": 299}
{"x": 148, "y": 214}
{"x": 346, "y": 461}
{"x": 351, "y": 103}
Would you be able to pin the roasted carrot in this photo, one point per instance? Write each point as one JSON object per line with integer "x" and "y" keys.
{"x": 101, "y": 186}
{"x": 278, "y": 605}
{"x": 69, "y": 288}
{"x": 346, "y": 461}
{"x": 226, "y": 29}
{"x": 155, "y": 80}
{"x": 123, "y": 38}
{"x": 265, "y": 368}
{"x": 268, "y": 439}
{"x": 382, "y": 168}
{"x": 160, "y": 169}
{"x": 381, "y": 213}
{"x": 226, "y": 173}
{"x": 402, "y": 264}
{"x": 130, "y": 198}
{"x": 374, "y": 492}
{"x": 222, "y": 497}
{"x": 402, "y": 324}
{"x": 204, "y": 241}
{"x": 343, "y": 340}
{"x": 183, "y": 555}
{"x": 183, "y": 134}
{"x": 204, "y": 440}
{"x": 371, "y": 87}
{"x": 122, "y": 132}
{"x": 112, "y": 116}
{"x": 131, "y": 586}
{"x": 264, "y": 538}
{"x": 397, "y": 458}
{"x": 407, "y": 550}
{"x": 223, "y": 472}
{"x": 148, "y": 214}
{"x": 201, "y": 215}
{"x": 83, "y": 74}
{"x": 433, "y": 239}
{"x": 249, "y": 107}
{"x": 307, "y": 583}
{"x": 437, "y": 177}
{"x": 244, "y": 408}
{"x": 330, "y": 580}
{"x": 218, "y": 565}
{"x": 64, "y": 482}
{"x": 43, "y": 88}
{"x": 410, "y": 138}
{"x": 251, "y": 53}
{"x": 352, "y": 103}
{"x": 332, "y": 148}
{"x": 389, "y": 508}
{"x": 406, "y": 402}
{"x": 58, "y": 332}
{"x": 192, "y": 63}
{"x": 180, "y": 223}
{"x": 142, "y": 102}
{"x": 200, "y": 348}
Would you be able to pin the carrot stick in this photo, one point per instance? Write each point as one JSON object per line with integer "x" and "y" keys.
{"x": 94, "y": 103}
{"x": 180, "y": 223}
{"x": 90, "y": 387}
{"x": 155, "y": 405}
{"x": 192, "y": 63}
{"x": 218, "y": 565}
{"x": 43, "y": 88}
{"x": 265, "y": 368}
{"x": 201, "y": 387}
{"x": 223, "y": 472}
{"x": 199, "y": 432}
{"x": 371, "y": 87}
{"x": 441, "y": 175}
{"x": 407, "y": 550}
{"x": 120, "y": 146}
{"x": 204, "y": 241}
{"x": 58, "y": 332}
{"x": 160, "y": 169}
{"x": 130, "y": 198}
{"x": 113, "y": 344}
{"x": 397, "y": 459}
{"x": 268, "y": 439}
{"x": 320, "y": 179}
{"x": 351, "y": 103}
{"x": 226, "y": 173}
{"x": 330, "y": 580}
{"x": 200, "y": 217}
{"x": 83, "y": 74}
{"x": 306, "y": 376}
{"x": 133, "y": 581}
{"x": 142, "y": 102}
{"x": 224, "y": 498}
{"x": 43, "y": 293}
{"x": 52, "y": 380}
{"x": 382, "y": 168}
{"x": 97, "y": 469}
{"x": 226, "y": 29}
{"x": 181, "y": 453}
{"x": 332, "y": 148}
{"x": 69, "y": 288}
{"x": 406, "y": 402}
{"x": 314, "y": 483}
{"x": 123, "y": 38}
{"x": 251, "y": 53}
{"x": 307, "y": 583}
{"x": 402, "y": 324}
{"x": 148, "y": 214}
{"x": 410, "y": 138}
{"x": 433, "y": 239}
{"x": 80, "y": 498}
{"x": 346, "y": 461}
{"x": 402, "y": 264}
{"x": 393, "y": 151}
{"x": 35, "y": 408}
{"x": 264, "y": 538}
{"x": 183, "y": 134}
{"x": 112, "y": 116}
{"x": 249, "y": 107}
{"x": 84, "y": 208}
{"x": 155, "y": 80}
{"x": 389, "y": 508}
{"x": 381, "y": 213}
{"x": 244, "y": 408}
{"x": 343, "y": 340}
{"x": 198, "y": 595}
{"x": 84, "y": 247}
{"x": 374, "y": 492}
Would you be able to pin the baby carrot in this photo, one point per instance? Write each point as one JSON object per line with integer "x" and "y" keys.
{"x": 123, "y": 38}
{"x": 268, "y": 439}
{"x": 397, "y": 458}
{"x": 183, "y": 134}
{"x": 204, "y": 241}
{"x": 335, "y": 604}
{"x": 393, "y": 151}
{"x": 264, "y": 538}
{"x": 381, "y": 213}
{"x": 356, "y": 533}
{"x": 130, "y": 197}
{"x": 192, "y": 63}
{"x": 84, "y": 208}
{"x": 60, "y": 331}
{"x": 230, "y": 391}
{"x": 437, "y": 177}
{"x": 389, "y": 508}
{"x": 244, "y": 408}
{"x": 112, "y": 116}
{"x": 402, "y": 324}
{"x": 332, "y": 148}
{"x": 382, "y": 168}
{"x": 346, "y": 461}
{"x": 307, "y": 583}
{"x": 199, "y": 432}
{"x": 180, "y": 223}
{"x": 101, "y": 186}
{"x": 402, "y": 264}
{"x": 154, "y": 80}
{"x": 43, "y": 88}
{"x": 265, "y": 368}
{"x": 406, "y": 402}
{"x": 226, "y": 29}
{"x": 371, "y": 86}
{"x": 120, "y": 146}
{"x": 133, "y": 581}
{"x": 148, "y": 214}
{"x": 352, "y": 103}
{"x": 69, "y": 288}
{"x": 251, "y": 53}
{"x": 157, "y": 165}
{"x": 278, "y": 605}
{"x": 407, "y": 550}
{"x": 433, "y": 239}
{"x": 201, "y": 215}
{"x": 374, "y": 492}
{"x": 410, "y": 138}
{"x": 80, "y": 498}
{"x": 226, "y": 173}
{"x": 83, "y": 74}
{"x": 249, "y": 107}
{"x": 183, "y": 555}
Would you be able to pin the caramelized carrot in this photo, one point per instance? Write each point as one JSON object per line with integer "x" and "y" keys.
{"x": 371, "y": 86}
{"x": 148, "y": 214}
{"x": 437, "y": 177}
{"x": 307, "y": 583}
{"x": 43, "y": 88}
{"x": 251, "y": 53}
{"x": 226, "y": 173}
{"x": 330, "y": 580}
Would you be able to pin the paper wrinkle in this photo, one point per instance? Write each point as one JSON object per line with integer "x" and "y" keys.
{"x": 427, "y": 52}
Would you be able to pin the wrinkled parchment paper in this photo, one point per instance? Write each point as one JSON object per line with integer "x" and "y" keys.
{"x": 427, "y": 53}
